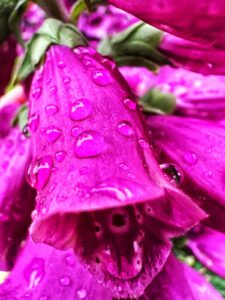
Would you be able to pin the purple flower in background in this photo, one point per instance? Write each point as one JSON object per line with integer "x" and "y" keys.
{"x": 203, "y": 22}
{"x": 197, "y": 147}
{"x": 100, "y": 189}
{"x": 208, "y": 245}
{"x": 178, "y": 281}
{"x": 16, "y": 196}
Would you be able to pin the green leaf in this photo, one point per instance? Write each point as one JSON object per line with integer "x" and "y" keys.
{"x": 70, "y": 37}
{"x": 51, "y": 28}
{"x": 21, "y": 118}
{"x": 137, "y": 61}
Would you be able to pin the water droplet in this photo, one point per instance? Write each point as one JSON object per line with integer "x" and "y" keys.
{"x": 43, "y": 297}
{"x": 61, "y": 64}
{"x": 80, "y": 109}
{"x": 39, "y": 172}
{"x": 83, "y": 170}
{"x": 35, "y": 272}
{"x": 208, "y": 174}
{"x": 53, "y": 134}
{"x": 36, "y": 93}
{"x": 60, "y": 156}
{"x": 51, "y": 110}
{"x": 190, "y": 158}
{"x": 33, "y": 122}
{"x": 172, "y": 173}
{"x": 76, "y": 131}
{"x": 66, "y": 80}
{"x": 26, "y": 131}
{"x": 143, "y": 143}
{"x": 65, "y": 281}
{"x": 108, "y": 62}
{"x": 70, "y": 260}
{"x": 125, "y": 128}
{"x": 89, "y": 143}
{"x": 130, "y": 104}
{"x": 82, "y": 294}
{"x": 53, "y": 90}
{"x": 101, "y": 77}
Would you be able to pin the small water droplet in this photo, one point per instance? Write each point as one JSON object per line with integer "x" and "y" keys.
{"x": 60, "y": 156}
{"x": 35, "y": 272}
{"x": 208, "y": 174}
{"x": 26, "y": 131}
{"x": 66, "y": 80}
{"x": 172, "y": 173}
{"x": 43, "y": 297}
{"x": 143, "y": 143}
{"x": 70, "y": 260}
{"x": 190, "y": 158}
{"x": 61, "y": 64}
{"x": 53, "y": 134}
{"x": 101, "y": 77}
{"x": 82, "y": 294}
{"x": 89, "y": 143}
{"x": 130, "y": 104}
{"x": 51, "y": 110}
{"x": 36, "y": 93}
{"x": 76, "y": 131}
{"x": 33, "y": 122}
{"x": 53, "y": 90}
{"x": 125, "y": 128}
{"x": 108, "y": 62}
{"x": 83, "y": 170}
{"x": 39, "y": 172}
{"x": 80, "y": 109}
{"x": 65, "y": 281}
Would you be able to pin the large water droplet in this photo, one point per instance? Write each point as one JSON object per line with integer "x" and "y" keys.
{"x": 82, "y": 294}
{"x": 130, "y": 104}
{"x": 35, "y": 272}
{"x": 51, "y": 110}
{"x": 101, "y": 77}
{"x": 172, "y": 173}
{"x": 60, "y": 156}
{"x": 53, "y": 133}
{"x": 65, "y": 280}
{"x": 90, "y": 143}
{"x": 190, "y": 158}
{"x": 80, "y": 109}
{"x": 33, "y": 122}
{"x": 125, "y": 128}
{"x": 39, "y": 172}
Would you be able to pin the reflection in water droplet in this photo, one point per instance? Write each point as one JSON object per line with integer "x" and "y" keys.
{"x": 82, "y": 294}
{"x": 60, "y": 156}
{"x": 51, "y": 110}
{"x": 53, "y": 134}
{"x": 190, "y": 158}
{"x": 33, "y": 122}
{"x": 65, "y": 281}
{"x": 39, "y": 172}
{"x": 172, "y": 173}
{"x": 35, "y": 272}
{"x": 125, "y": 128}
{"x": 89, "y": 143}
{"x": 26, "y": 131}
{"x": 101, "y": 77}
{"x": 130, "y": 104}
{"x": 80, "y": 109}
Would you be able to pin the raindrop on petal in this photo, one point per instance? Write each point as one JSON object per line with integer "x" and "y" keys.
{"x": 101, "y": 77}
{"x": 35, "y": 272}
{"x": 36, "y": 93}
{"x": 33, "y": 122}
{"x": 60, "y": 156}
{"x": 65, "y": 281}
{"x": 61, "y": 64}
{"x": 190, "y": 158}
{"x": 53, "y": 134}
{"x": 172, "y": 173}
{"x": 80, "y": 109}
{"x": 130, "y": 104}
{"x": 82, "y": 294}
{"x": 125, "y": 128}
{"x": 51, "y": 110}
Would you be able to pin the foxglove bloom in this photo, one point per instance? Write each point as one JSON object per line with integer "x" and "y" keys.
{"x": 100, "y": 189}
{"x": 46, "y": 273}
{"x": 197, "y": 147}
{"x": 178, "y": 281}
{"x": 203, "y": 22}
{"x": 208, "y": 246}
{"x": 16, "y": 196}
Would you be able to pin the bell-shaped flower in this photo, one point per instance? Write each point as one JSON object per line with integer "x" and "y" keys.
{"x": 16, "y": 196}
{"x": 195, "y": 148}
{"x": 100, "y": 188}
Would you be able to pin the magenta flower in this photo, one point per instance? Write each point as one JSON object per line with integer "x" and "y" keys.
{"x": 208, "y": 246}
{"x": 178, "y": 281}
{"x": 16, "y": 196}
{"x": 196, "y": 147}
{"x": 201, "y": 22}
{"x": 100, "y": 189}
{"x": 46, "y": 273}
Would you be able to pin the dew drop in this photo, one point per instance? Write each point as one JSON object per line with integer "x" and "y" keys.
{"x": 43, "y": 297}
{"x": 51, "y": 110}
{"x": 65, "y": 281}
{"x": 82, "y": 294}
{"x": 190, "y": 158}
{"x": 130, "y": 104}
{"x": 39, "y": 172}
{"x": 172, "y": 173}
{"x": 33, "y": 122}
{"x": 66, "y": 80}
{"x": 26, "y": 131}
{"x": 125, "y": 128}
{"x": 80, "y": 109}
{"x": 53, "y": 90}
{"x": 60, "y": 156}
{"x": 76, "y": 131}
{"x": 89, "y": 144}
{"x": 35, "y": 272}
{"x": 53, "y": 134}
{"x": 70, "y": 260}
{"x": 36, "y": 93}
{"x": 61, "y": 64}
{"x": 143, "y": 143}
{"x": 101, "y": 77}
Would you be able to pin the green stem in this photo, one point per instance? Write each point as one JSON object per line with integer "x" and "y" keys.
{"x": 53, "y": 9}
